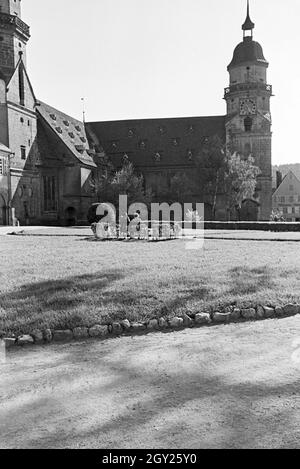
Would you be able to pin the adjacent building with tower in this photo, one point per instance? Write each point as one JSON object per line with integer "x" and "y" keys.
{"x": 47, "y": 158}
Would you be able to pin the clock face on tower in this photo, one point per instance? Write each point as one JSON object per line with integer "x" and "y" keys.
{"x": 247, "y": 106}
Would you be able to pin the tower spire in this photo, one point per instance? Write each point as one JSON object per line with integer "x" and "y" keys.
{"x": 248, "y": 25}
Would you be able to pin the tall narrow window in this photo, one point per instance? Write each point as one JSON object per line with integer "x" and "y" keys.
{"x": 21, "y": 85}
{"x": 23, "y": 152}
{"x": 248, "y": 124}
{"x": 50, "y": 199}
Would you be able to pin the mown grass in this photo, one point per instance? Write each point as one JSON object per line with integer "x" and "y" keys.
{"x": 62, "y": 282}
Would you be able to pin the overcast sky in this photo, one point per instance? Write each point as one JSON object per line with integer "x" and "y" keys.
{"x": 161, "y": 58}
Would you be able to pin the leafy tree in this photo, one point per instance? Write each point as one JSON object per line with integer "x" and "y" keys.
{"x": 240, "y": 180}
{"x": 180, "y": 189}
{"x": 221, "y": 172}
{"x": 211, "y": 168}
{"x": 110, "y": 184}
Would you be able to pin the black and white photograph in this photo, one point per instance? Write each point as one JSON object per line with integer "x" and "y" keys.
{"x": 149, "y": 227}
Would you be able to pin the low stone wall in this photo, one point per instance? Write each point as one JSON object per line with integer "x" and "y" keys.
{"x": 252, "y": 225}
{"x": 125, "y": 327}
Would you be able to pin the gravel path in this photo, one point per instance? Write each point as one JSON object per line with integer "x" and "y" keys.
{"x": 234, "y": 386}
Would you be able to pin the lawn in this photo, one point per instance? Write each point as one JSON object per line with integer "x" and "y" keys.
{"x": 62, "y": 282}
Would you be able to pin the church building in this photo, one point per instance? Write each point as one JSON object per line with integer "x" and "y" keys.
{"x": 47, "y": 158}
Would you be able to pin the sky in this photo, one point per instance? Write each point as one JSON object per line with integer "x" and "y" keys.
{"x": 160, "y": 58}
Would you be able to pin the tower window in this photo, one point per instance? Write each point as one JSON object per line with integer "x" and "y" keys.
{"x": 248, "y": 124}
{"x": 23, "y": 152}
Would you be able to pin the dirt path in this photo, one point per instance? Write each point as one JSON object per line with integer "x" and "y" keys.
{"x": 232, "y": 386}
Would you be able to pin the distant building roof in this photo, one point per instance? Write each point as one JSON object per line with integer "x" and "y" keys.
{"x": 69, "y": 130}
{"x": 288, "y": 177}
{"x": 166, "y": 142}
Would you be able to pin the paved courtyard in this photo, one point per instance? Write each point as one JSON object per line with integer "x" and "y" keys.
{"x": 234, "y": 386}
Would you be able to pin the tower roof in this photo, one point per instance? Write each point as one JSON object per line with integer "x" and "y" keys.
{"x": 248, "y": 51}
{"x": 248, "y": 25}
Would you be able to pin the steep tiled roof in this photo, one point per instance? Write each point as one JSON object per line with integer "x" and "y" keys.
{"x": 70, "y": 131}
{"x": 169, "y": 142}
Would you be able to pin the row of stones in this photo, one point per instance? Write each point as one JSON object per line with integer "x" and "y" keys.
{"x": 231, "y": 314}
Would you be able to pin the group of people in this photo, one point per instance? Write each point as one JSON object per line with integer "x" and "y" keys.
{"x": 136, "y": 228}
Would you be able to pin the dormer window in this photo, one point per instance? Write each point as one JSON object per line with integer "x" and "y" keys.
{"x": 53, "y": 117}
{"x": 66, "y": 123}
{"x": 80, "y": 148}
{"x": 59, "y": 130}
{"x": 71, "y": 135}
{"x": 78, "y": 128}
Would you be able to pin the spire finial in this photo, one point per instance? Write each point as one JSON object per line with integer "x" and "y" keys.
{"x": 248, "y": 25}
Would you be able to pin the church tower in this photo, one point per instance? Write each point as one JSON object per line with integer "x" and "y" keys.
{"x": 14, "y": 35}
{"x": 248, "y": 123}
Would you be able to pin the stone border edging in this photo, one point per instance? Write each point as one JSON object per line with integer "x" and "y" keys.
{"x": 125, "y": 327}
